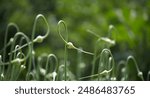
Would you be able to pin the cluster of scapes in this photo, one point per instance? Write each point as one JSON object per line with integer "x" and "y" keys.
{"x": 18, "y": 61}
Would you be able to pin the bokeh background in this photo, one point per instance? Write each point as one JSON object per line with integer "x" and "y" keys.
{"x": 131, "y": 19}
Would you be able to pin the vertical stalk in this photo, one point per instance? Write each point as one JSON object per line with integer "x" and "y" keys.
{"x": 5, "y": 41}
{"x": 37, "y": 39}
{"x": 65, "y": 40}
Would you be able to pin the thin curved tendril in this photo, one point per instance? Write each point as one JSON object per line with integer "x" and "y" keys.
{"x": 65, "y": 41}
{"x": 41, "y": 38}
{"x": 13, "y": 44}
{"x": 15, "y": 54}
{"x": 5, "y": 40}
{"x": 95, "y": 54}
{"x": 12, "y": 59}
{"x": 120, "y": 66}
{"x": 69, "y": 44}
{"x": 140, "y": 74}
{"x": 34, "y": 27}
{"x": 64, "y": 24}
{"x": 27, "y": 40}
{"x": 48, "y": 60}
{"x": 103, "y": 51}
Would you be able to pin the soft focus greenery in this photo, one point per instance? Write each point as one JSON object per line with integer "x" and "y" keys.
{"x": 126, "y": 22}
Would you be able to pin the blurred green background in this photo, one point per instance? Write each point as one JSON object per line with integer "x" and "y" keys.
{"x": 131, "y": 18}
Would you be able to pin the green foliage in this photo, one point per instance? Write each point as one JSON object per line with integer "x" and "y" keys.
{"x": 120, "y": 29}
{"x": 17, "y": 64}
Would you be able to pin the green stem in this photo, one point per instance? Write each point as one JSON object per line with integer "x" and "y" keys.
{"x": 17, "y": 60}
{"x": 121, "y": 70}
{"x": 37, "y": 39}
{"x": 55, "y": 66}
{"x": 104, "y": 65}
{"x": 65, "y": 41}
{"x": 140, "y": 74}
{"x": 5, "y": 41}
{"x": 96, "y": 75}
